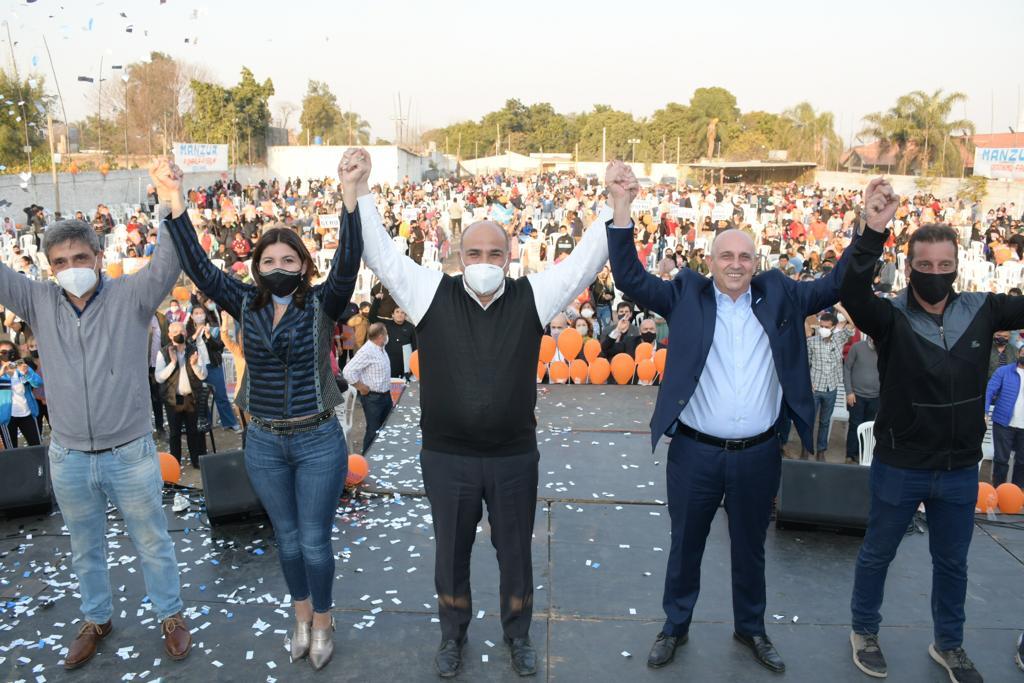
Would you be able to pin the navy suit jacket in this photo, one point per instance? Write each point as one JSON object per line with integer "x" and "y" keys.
{"x": 687, "y": 302}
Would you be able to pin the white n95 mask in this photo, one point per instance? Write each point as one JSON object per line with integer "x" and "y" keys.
{"x": 483, "y": 278}
{"x": 77, "y": 281}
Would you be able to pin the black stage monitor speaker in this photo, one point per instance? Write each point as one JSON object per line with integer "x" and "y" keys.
{"x": 229, "y": 495}
{"x": 25, "y": 482}
{"x": 822, "y": 495}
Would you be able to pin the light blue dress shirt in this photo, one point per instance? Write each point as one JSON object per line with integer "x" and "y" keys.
{"x": 738, "y": 394}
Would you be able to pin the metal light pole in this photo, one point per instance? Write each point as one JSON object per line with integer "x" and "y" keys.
{"x": 634, "y": 142}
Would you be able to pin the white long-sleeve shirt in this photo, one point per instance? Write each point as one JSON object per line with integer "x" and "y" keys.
{"x": 413, "y": 287}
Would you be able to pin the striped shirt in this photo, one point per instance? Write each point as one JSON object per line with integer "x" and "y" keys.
{"x": 371, "y": 366}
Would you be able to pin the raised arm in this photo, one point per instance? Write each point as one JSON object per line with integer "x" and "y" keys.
{"x": 412, "y": 286}
{"x": 17, "y": 292}
{"x": 151, "y": 284}
{"x": 873, "y": 315}
{"x": 226, "y": 291}
{"x": 336, "y": 292}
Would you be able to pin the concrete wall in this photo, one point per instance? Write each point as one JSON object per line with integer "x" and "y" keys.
{"x": 86, "y": 190}
{"x": 999, "y": 191}
{"x": 390, "y": 163}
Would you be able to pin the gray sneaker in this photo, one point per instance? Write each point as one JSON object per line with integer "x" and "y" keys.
{"x": 957, "y": 664}
{"x": 867, "y": 655}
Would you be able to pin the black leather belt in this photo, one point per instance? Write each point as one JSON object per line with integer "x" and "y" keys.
{"x": 306, "y": 424}
{"x": 725, "y": 444}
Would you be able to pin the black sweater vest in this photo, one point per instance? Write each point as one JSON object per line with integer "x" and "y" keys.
{"x": 478, "y": 371}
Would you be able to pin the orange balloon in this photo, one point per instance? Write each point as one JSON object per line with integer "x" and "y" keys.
{"x": 622, "y": 368}
{"x": 578, "y": 371}
{"x": 600, "y": 369}
{"x": 170, "y": 469}
{"x": 104, "y": 169}
{"x": 547, "y": 348}
{"x": 181, "y": 294}
{"x": 558, "y": 372}
{"x": 643, "y": 350}
{"x": 1010, "y": 498}
{"x": 115, "y": 269}
{"x": 987, "y": 497}
{"x": 73, "y": 168}
{"x": 414, "y": 363}
{"x": 542, "y": 369}
{"x": 591, "y": 350}
{"x": 358, "y": 468}
{"x": 660, "y": 356}
{"x": 569, "y": 343}
{"x": 645, "y": 370}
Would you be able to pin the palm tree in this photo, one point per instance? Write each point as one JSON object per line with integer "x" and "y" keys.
{"x": 353, "y": 129}
{"x": 919, "y": 128}
{"x": 810, "y": 135}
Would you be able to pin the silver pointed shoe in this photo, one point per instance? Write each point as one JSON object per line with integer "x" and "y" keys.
{"x": 321, "y": 646}
{"x": 300, "y": 639}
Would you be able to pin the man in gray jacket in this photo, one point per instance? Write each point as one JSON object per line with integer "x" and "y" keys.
{"x": 860, "y": 377}
{"x": 92, "y": 336}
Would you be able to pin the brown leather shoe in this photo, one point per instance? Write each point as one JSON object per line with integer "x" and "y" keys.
{"x": 177, "y": 638}
{"x": 84, "y": 646}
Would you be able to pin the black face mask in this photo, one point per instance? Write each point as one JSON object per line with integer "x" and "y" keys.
{"x": 649, "y": 337}
{"x": 1000, "y": 341}
{"x": 178, "y": 339}
{"x": 8, "y": 355}
{"x": 281, "y": 282}
{"x": 932, "y": 287}
{"x": 1020, "y": 361}
{"x": 35, "y": 353}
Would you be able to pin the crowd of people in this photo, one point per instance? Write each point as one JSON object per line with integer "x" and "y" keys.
{"x": 314, "y": 286}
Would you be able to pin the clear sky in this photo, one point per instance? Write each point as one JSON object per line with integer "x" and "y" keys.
{"x": 458, "y": 59}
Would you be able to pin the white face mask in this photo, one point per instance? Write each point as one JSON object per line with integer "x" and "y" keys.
{"x": 483, "y": 278}
{"x": 824, "y": 332}
{"x": 587, "y": 313}
{"x": 77, "y": 281}
{"x": 199, "y": 319}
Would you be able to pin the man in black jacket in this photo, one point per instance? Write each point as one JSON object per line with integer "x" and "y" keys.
{"x": 933, "y": 348}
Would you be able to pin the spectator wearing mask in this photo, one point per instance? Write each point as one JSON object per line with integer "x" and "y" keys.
{"x": 588, "y": 311}
{"x": 1002, "y": 354}
{"x": 182, "y": 392}
{"x": 175, "y": 313}
{"x": 860, "y": 377}
{"x": 401, "y": 342}
{"x": 455, "y": 212}
{"x": 18, "y": 407}
{"x": 585, "y": 328}
{"x": 204, "y": 328}
{"x": 370, "y": 372}
{"x": 825, "y": 354}
{"x": 1004, "y": 405}
{"x": 101, "y": 448}
{"x": 38, "y": 392}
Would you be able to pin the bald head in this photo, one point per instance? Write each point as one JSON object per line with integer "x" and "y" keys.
{"x": 485, "y": 242}
{"x": 733, "y": 262}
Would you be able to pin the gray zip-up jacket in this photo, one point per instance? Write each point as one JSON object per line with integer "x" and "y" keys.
{"x": 96, "y": 366}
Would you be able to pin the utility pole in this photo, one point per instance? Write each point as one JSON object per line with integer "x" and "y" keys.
{"x": 125, "y": 79}
{"x": 634, "y": 142}
{"x": 24, "y": 119}
{"x": 53, "y": 164}
{"x": 497, "y": 140}
{"x": 677, "y": 150}
{"x": 604, "y": 144}
{"x": 663, "y": 139}
{"x": 476, "y": 149}
{"x": 458, "y": 148}
{"x": 99, "y": 107}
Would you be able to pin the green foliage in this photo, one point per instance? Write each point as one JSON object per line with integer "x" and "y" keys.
{"x": 973, "y": 188}
{"x": 919, "y": 128}
{"x": 322, "y": 117}
{"x": 224, "y": 115}
{"x": 15, "y": 116}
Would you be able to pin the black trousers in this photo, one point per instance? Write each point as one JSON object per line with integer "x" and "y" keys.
{"x": 376, "y": 408}
{"x": 196, "y": 439}
{"x": 28, "y": 427}
{"x": 457, "y": 487}
{"x": 157, "y": 400}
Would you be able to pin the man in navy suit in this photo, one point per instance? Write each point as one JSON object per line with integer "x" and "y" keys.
{"x": 736, "y": 364}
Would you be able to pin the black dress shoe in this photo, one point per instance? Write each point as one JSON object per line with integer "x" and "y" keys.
{"x": 664, "y": 649}
{"x": 764, "y": 652}
{"x": 524, "y": 658}
{"x": 448, "y": 659}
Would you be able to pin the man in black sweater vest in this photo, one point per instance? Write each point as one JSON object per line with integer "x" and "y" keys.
{"x": 479, "y": 341}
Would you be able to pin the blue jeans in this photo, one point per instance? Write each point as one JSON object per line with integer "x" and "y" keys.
{"x": 129, "y": 477}
{"x": 376, "y": 408}
{"x": 604, "y": 315}
{"x": 864, "y": 410}
{"x": 215, "y": 377}
{"x": 824, "y": 404}
{"x": 1006, "y": 440}
{"x": 299, "y": 478}
{"x": 949, "y": 497}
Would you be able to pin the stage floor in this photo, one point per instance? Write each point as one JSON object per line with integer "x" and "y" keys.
{"x": 599, "y": 552}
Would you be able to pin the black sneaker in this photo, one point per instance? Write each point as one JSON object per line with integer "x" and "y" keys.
{"x": 867, "y": 654}
{"x": 957, "y": 664}
{"x": 1019, "y": 656}
{"x": 448, "y": 659}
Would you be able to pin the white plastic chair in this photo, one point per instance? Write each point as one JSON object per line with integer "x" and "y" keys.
{"x": 515, "y": 270}
{"x": 866, "y": 442}
{"x": 346, "y": 410}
